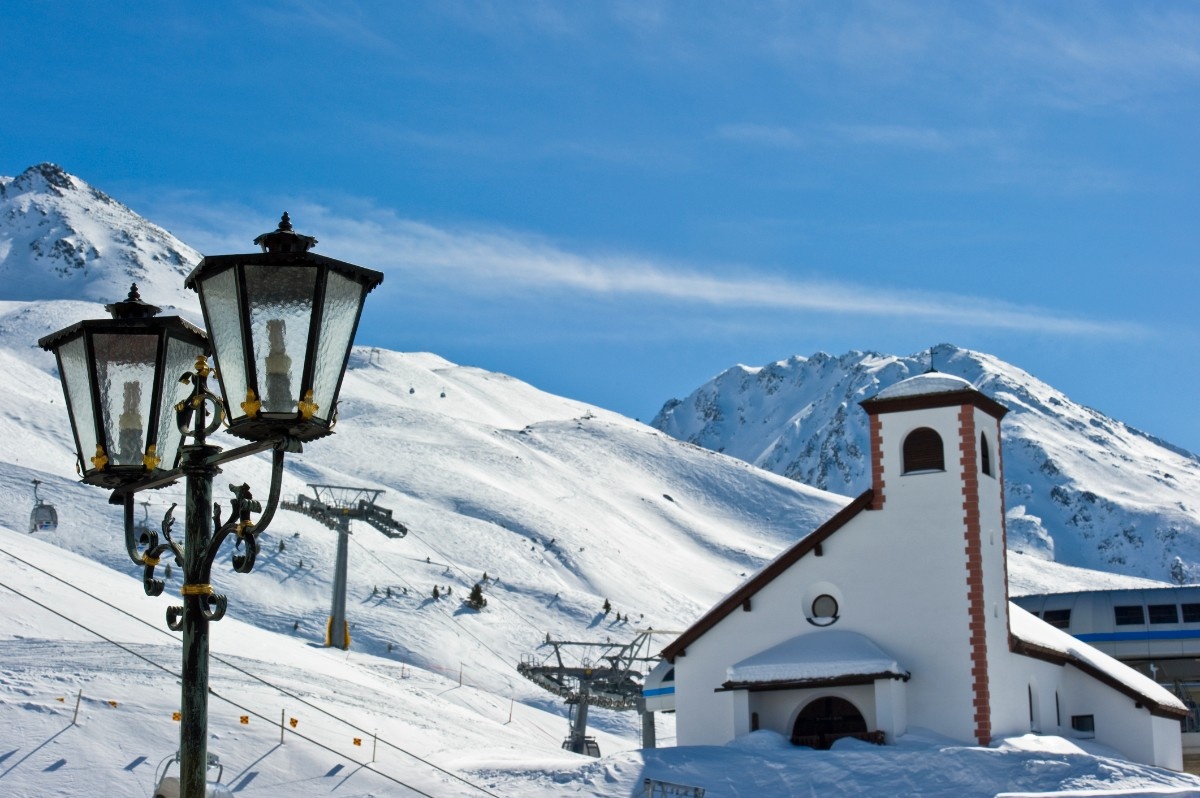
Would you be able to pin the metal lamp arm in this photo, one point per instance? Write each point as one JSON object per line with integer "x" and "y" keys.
{"x": 268, "y": 513}
{"x": 145, "y": 550}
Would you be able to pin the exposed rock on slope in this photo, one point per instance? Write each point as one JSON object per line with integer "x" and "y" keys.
{"x": 1081, "y": 488}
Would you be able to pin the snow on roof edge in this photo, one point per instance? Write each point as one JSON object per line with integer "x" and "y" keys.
{"x": 1028, "y": 628}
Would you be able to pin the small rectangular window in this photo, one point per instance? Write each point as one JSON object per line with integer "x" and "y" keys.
{"x": 1129, "y": 615}
{"x": 1084, "y": 723}
{"x": 1191, "y": 613}
{"x": 1059, "y": 619}
{"x": 1163, "y": 613}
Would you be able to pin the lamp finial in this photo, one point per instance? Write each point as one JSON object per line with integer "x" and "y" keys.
{"x": 284, "y": 239}
{"x": 132, "y": 307}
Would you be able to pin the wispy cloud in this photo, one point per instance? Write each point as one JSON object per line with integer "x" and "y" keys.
{"x": 903, "y": 136}
{"x": 767, "y": 135}
{"x": 897, "y": 136}
{"x": 501, "y": 262}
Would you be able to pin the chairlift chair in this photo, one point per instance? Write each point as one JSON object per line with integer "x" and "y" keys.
{"x": 44, "y": 517}
{"x": 588, "y": 746}
{"x": 168, "y": 785}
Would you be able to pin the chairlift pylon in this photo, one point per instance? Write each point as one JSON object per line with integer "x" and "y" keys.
{"x": 44, "y": 517}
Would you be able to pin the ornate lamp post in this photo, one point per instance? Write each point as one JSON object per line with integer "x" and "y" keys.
{"x": 282, "y": 323}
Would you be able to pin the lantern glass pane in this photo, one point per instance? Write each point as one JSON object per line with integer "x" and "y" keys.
{"x": 343, "y": 298}
{"x": 219, "y": 295}
{"x": 181, "y": 359}
{"x": 281, "y": 300}
{"x": 74, "y": 363}
{"x": 125, "y": 376}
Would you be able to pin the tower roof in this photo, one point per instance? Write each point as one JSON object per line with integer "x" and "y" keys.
{"x": 931, "y": 389}
{"x": 927, "y": 383}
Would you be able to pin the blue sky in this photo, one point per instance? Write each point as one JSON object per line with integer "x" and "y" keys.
{"x": 616, "y": 201}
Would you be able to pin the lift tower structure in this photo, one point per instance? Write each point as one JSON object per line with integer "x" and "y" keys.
{"x": 336, "y": 506}
{"x": 609, "y": 675}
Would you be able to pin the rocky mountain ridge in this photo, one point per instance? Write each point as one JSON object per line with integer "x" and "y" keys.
{"x": 1081, "y": 488}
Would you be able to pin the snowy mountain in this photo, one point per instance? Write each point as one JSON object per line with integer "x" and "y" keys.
{"x": 62, "y": 239}
{"x": 562, "y": 505}
{"x": 1081, "y": 488}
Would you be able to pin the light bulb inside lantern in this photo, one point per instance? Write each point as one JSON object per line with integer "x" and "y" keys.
{"x": 129, "y": 426}
{"x": 279, "y": 370}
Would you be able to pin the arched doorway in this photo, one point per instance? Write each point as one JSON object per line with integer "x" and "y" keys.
{"x": 827, "y": 719}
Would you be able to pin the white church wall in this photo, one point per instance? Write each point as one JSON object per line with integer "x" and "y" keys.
{"x": 1119, "y": 723}
{"x": 1167, "y": 743}
{"x": 891, "y": 708}
{"x": 1001, "y": 663}
{"x": 703, "y": 717}
{"x": 1012, "y": 677}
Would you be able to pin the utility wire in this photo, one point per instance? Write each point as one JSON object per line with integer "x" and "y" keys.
{"x": 234, "y": 667}
{"x": 214, "y": 693}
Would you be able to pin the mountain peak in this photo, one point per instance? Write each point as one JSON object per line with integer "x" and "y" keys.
{"x": 60, "y": 238}
{"x": 45, "y": 176}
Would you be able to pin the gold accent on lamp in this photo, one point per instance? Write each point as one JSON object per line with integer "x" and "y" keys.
{"x": 307, "y": 406}
{"x": 101, "y": 459}
{"x": 251, "y": 406}
{"x": 151, "y": 458}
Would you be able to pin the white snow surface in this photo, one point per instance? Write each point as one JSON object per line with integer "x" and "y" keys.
{"x": 827, "y": 654}
{"x": 931, "y": 382}
{"x": 561, "y": 504}
{"x": 1031, "y": 575}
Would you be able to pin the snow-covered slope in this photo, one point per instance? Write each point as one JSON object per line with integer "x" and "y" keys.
{"x": 1081, "y": 488}
{"x": 561, "y": 504}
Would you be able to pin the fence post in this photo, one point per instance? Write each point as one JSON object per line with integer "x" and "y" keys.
{"x": 78, "y": 698}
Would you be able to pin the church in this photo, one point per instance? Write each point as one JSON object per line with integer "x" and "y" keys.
{"x": 895, "y": 614}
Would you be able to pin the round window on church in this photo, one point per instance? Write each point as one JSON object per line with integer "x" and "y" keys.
{"x": 825, "y": 608}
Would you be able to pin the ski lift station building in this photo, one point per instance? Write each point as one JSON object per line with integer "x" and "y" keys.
{"x": 894, "y": 614}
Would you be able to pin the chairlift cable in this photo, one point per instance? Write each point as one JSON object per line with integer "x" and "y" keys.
{"x": 234, "y": 667}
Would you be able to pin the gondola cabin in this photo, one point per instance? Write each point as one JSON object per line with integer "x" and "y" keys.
{"x": 44, "y": 517}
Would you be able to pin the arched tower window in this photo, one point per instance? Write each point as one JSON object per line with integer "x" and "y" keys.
{"x": 923, "y": 451}
{"x": 985, "y": 454}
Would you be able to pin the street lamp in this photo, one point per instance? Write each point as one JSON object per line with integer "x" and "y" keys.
{"x": 281, "y": 323}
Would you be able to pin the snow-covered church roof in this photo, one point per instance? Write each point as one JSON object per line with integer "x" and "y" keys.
{"x": 929, "y": 390}
{"x": 816, "y": 657}
{"x": 1034, "y": 637}
{"x": 924, "y": 384}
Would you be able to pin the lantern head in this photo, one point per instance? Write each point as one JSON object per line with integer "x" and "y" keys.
{"x": 282, "y": 322}
{"x": 121, "y": 380}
